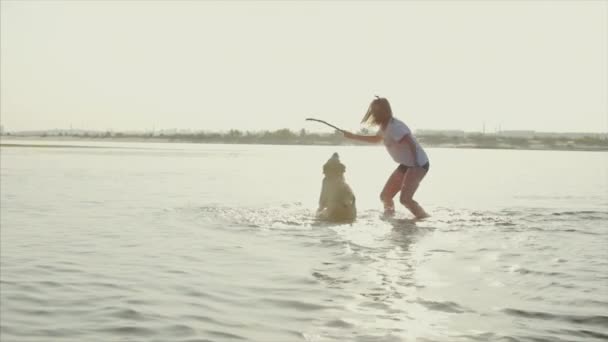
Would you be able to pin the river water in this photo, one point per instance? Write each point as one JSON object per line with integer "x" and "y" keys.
{"x": 194, "y": 242}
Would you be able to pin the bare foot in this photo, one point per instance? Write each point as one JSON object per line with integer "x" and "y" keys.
{"x": 422, "y": 216}
{"x": 389, "y": 212}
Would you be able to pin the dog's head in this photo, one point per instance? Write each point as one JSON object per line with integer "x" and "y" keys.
{"x": 333, "y": 167}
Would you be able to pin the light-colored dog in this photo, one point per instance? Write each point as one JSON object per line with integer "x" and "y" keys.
{"x": 337, "y": 201}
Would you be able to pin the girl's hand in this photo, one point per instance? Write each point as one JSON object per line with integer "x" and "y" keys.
{"x": 348, "y": 135}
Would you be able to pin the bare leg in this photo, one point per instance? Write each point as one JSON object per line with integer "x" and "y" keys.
{"x": 391, "y": 188}
{"x": 411, "y": 181}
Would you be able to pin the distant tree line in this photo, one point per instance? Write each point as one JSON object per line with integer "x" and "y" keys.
{"x": 498, "y": 141}
{"x": 281, "y": 136}
{"x": 303, "y": 137}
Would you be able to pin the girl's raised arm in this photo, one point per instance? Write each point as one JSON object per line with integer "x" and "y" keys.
{"x": 373, "y": 139}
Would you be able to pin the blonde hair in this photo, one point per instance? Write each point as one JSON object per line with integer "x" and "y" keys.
{"x": 378, "y": 112}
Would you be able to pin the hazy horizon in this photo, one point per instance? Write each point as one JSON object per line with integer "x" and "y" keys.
{"x": 314, "y": 129}
{"x": 251, "y": 66}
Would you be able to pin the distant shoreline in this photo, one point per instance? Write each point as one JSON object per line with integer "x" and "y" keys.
{"x": 11, "y": 141}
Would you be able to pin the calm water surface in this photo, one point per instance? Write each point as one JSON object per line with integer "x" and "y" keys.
{"x": 188, "y": 242}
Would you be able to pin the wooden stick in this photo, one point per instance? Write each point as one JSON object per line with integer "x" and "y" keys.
{"x": 326, "y": 123}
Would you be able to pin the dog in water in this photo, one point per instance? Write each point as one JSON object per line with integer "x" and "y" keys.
{"x": 337, "y": 201}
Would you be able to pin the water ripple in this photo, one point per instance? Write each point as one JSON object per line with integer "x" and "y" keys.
{"x": 597, "y": 320}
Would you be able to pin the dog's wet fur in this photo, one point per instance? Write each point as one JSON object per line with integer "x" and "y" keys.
{"x": 337, "y": 201}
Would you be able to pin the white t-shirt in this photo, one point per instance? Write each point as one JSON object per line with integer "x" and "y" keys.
{"x": 400, "y": 152}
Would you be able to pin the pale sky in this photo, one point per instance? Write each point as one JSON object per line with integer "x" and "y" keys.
{"x": 207, "y": 65}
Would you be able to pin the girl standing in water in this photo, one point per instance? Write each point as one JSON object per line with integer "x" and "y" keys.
{"x": 404, "y": 149}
